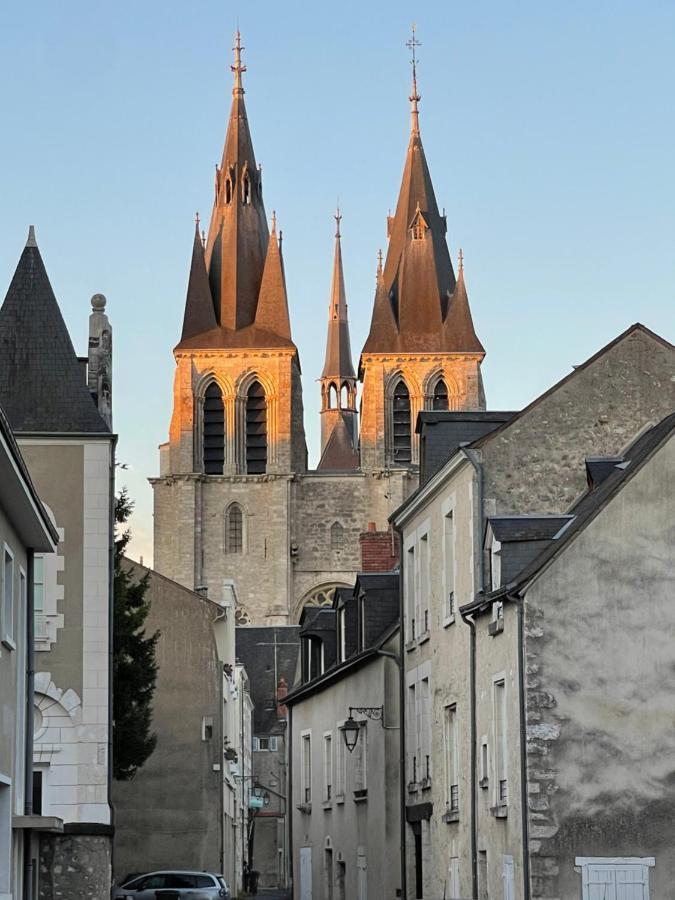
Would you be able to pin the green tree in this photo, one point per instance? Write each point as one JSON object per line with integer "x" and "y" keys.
{"x": 134, "y": 659}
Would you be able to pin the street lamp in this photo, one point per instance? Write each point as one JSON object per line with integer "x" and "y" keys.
{"x": 350, "y": 729}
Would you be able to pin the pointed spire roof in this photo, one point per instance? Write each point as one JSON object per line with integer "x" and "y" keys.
{"x": 42, "y": 383}
{"x": 338, "y": 363}
{"x": 238, "y": 236}
{"x": 199, "y": 313}
{"x": 272, "y": 313}
{"x": 459, "y": 321}
{"x": 339, "y": 454}
{"x": 418, "y": 278}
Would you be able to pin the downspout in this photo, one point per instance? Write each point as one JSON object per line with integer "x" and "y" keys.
{"x": 402, "y": 732}
{"x": 478, "y": 521}
{"x": 288, "y": 803}
{"x": 111, "y": 639}
{"x": 29, "y": 726}
{"x": 523, "y": 750}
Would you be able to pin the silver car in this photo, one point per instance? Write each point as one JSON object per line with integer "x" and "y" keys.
{"x": 168, "y": 884}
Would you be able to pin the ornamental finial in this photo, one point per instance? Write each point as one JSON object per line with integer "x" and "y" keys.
{"x": 415, "y": 97}
{"x": 338, "y": 219}
{"x": 238, "y": 68}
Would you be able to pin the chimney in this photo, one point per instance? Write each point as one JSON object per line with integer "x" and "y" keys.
{"x": 282, "y": 691}
{"x": 100, "y": 358}
{"x": 379, "y": 549}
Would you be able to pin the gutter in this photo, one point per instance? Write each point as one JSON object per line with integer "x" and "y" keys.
{"x": 29, "y": 726}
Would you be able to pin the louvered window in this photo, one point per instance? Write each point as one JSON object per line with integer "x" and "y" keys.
{"x": 214, "y": 430}
{"x": 401, "y": 423}
{"x": 440, "y": 400}
{"x": 256, "y": 430}
{"x": 234, "y": 529}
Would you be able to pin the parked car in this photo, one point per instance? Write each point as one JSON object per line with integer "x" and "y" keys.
{"x": 192, "y": 885}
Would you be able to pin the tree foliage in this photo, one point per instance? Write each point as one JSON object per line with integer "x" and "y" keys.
{"x": 134, "y": 659}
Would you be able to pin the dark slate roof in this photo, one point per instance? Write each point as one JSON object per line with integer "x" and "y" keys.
{"x": 381, "y": 590}
{"x": 600, "y": 467}
{"x": 339, "y": 454}
{"x": 199, "y": 314}
{"x": 586, "y": 509}
{"x": 443, "y": 433}
{"x": 42, "y": 385}
{"x": 255, "y": 649}
{"x": 526, "y": 528}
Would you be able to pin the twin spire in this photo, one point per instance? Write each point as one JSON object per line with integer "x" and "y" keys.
{"x": 237, "y": 291}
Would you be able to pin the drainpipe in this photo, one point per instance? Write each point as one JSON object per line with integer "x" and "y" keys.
{"x": 472, "y": 456}
{"x": 288, "y": 805}
{"x": 29, "y": 729}
{"x": 402, "y": 733}
{"x": 523, "y": 749}
{"x": 111, "y": 639}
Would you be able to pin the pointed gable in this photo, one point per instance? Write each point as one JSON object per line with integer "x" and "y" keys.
{"x": 42, "y": 383}
{"x": 199, "y": 313}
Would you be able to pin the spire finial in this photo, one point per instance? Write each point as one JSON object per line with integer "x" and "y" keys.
{"x": 338, "y": 219}
{"x": 197, "y": 219}
{"x": 31, "y": 242}
{"x": 461, "y": 260}
{"x": 379, "y": 263}
{"x": 238, "y": 68}
{"x": 414, "y": 98}
{"x": 274, "y": 221}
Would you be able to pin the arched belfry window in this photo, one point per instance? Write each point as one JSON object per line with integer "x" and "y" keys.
{"x": 234, "y": 529}
{"x": 401, "y": 449}
{"x": 256, "y": 430}
{"x": 213, "y": 430}
{"x": 440, "y": 398}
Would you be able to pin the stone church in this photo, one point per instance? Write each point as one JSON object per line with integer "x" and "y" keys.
{"x": 235, "y": 499}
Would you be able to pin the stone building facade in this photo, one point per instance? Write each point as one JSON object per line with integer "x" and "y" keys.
{"x": 462, "y": 532}
{"x": 59, "y": 408}
{"x": 234, "y": 498}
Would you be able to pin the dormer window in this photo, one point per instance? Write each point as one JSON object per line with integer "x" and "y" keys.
{"x": 418, "y": 230}
{"x": 228, "y": 191}
{"x": 246, "y": 190}
{"x": 312, "y": 658}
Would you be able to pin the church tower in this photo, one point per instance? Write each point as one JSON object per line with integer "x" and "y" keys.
{"x": 339, "y": 419}
{"x": 236, "y": 436}
{"x": 422, "y": 351}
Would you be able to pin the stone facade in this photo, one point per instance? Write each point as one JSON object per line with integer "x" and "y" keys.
{"x": 74, "y": 865}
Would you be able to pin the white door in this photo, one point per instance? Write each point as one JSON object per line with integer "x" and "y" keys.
{"x": 305, "y": 873}
{"x": 508, "y": 878}
{"x": 362, "y": 874}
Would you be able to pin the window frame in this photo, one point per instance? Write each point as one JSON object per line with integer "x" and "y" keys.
{"x": 451, "y": 748}
{"x": 500, "y": 790}
{"x": 327, "y": 766}
{"x": 233, "y": 506}
{"x": 449, "y": 561}
{"x": 8, "y": 618}
{"x": 212, "y": 383}
{"x": 306, "y": 767}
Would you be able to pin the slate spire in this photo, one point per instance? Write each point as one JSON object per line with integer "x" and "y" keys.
{"x": 238, "y": 236}
{"x": 338, "y": 362}
{"x": 43, "y": 385}
{"x": 199, "y": 312}
{"x": 272, "y": 313}
{"x": 418, "y": 278}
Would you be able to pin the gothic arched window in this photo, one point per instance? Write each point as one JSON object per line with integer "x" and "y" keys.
{"x": 402, "y": 439}
{"x": 337, "y": 536}
{"x": 256, "y": 430}
{"x": 234, "y": 529}
{"x": 213, "y": 431}
{"x": 440, "y": 400}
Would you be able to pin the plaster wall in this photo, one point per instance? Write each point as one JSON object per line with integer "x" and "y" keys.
{"x": 600, "y": 704}
{"x": 71, "y": 680}
{"x": 169, "y": 815}
{"x": 443, "y": 652}
{"x": 361, "y": 831}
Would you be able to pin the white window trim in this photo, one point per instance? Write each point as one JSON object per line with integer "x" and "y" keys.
{"x": 7, "y": 633}
{"x": 304, "y": 781}
{"x": 424, "y": 579}
{"x": 410, "y": 588}
{"x": 584, "y": 862}
{"x": 328, "y": 766}
{"x": 448, "y": 511}
{"x": 499, "y": 678}
{"x": 451, "y": 708}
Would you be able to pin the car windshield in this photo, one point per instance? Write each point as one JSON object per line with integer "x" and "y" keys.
{"x": 222, "y": 881}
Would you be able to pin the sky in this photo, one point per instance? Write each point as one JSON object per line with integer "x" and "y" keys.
{"x": 548, "y": 129}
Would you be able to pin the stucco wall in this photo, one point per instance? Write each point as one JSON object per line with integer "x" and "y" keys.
{"x": 347, "y": 827}
{"x": 169, "y": 815}
{"x": 600, "y": 707}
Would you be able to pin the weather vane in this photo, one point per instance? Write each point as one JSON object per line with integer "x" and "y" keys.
{"x": 412, "y": 45}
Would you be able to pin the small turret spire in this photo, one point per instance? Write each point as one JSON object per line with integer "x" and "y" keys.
{"x": 238, "y": 68}
{"x": 415, "y": 97}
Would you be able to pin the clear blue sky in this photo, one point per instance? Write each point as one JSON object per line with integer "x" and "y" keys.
{"x": 548, "y": 128}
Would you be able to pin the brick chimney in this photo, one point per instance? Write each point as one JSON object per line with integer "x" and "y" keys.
{"x": 379, "y": 549}
{"x": 282, "y": 691}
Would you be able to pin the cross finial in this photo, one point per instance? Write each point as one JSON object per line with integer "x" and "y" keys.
{"x": 197, "y": 219}
{"x": 461, "y": 260}
{"x": 414, "y": 98}
{"x": 238, "y": 68}
{"x": 338, "y": 219}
